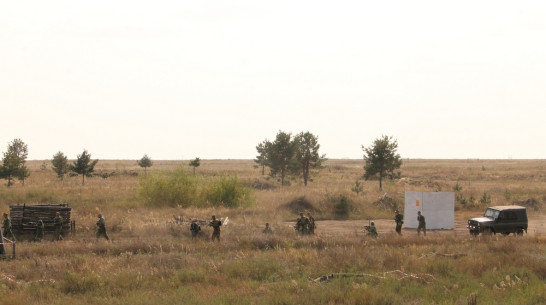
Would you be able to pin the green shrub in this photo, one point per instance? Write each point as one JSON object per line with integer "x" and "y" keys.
{"x": 457, "y": 187}
{"x": 358, "y": 188}
{"x": 461, "y": 199}
{"x": 486, "y": 198}
{"x": 176, "y": 188}
{"x": 180, "y": 188}
{"x": 228, "y": 192}
{"x": 342, "y": 207}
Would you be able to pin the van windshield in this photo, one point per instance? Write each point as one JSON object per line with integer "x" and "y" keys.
{"x": 491, "y": 213}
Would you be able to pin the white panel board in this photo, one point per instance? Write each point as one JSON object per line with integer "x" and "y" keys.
{"x": 437, "y": 207}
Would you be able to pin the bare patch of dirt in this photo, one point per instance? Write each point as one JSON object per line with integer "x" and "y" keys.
{"x": 386, "y": 227}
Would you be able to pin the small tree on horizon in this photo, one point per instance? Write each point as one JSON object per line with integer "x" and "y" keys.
{"x": 13, "y": 163}
{"x": 195, "y": 163}
{"x": 145, "y": 162}
{"x": 60, "y": 165}
{"x": 83, "y": 165}
{"x": 381, "y": 159}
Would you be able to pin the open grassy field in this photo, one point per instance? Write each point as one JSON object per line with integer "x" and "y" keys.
{"x": 153, "y": 260}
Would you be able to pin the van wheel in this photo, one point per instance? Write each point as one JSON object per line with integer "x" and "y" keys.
{"x": 519, "y": 231}
{"x": 505, "y": 233}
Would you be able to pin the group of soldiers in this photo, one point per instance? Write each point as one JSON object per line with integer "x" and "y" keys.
{"x": 305, "y": 225}
{"x": 7, "y": 231}
{"x": 195, "y": 228}
{"x": 399, "y": 220}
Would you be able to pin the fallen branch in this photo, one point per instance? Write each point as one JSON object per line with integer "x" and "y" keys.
{"x": 11, "y": 278}
{"x": 426, "y": 278}
{"x": 456, "y": 255}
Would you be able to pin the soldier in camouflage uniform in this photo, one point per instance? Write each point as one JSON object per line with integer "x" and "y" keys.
{"x": 302, "y": 224}
{"x": 422, "y": 224}
{"x": 194, "y": 228}
{"x": 58, "y": 222}
{"x": 312, "y": 225}
{"x": 372, "y": 231}
{"x": 267, "y": 229}
{"x": 7, "y": 232}
{"x": 39, "y": 231}
{"x": 399, "y": 220}
{"x": 101, "y": 227}
{"x": 215, "y": 224}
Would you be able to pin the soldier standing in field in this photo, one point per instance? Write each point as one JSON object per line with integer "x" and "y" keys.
{"x": 215, "y": 224}
{"x": 7, "y": 232}
{"x": 101, "y": 227}
{"x": 39, "y": 231}
{"x": 398, "y": 219}
{"x": 422, "y": 224}
{"x": 194, "y": 228}
{"x": 312, "y": 225}
{"x": 302, "y": 224}
{"x": 58, "y": 223}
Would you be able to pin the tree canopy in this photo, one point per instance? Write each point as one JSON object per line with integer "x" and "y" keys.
{"x": 262, "y": 158}
{"x": 381, "y": 159}
{"x": 145, "y": 162}
{"x": 281, "y": 155}
{"x": 288, "y": 155}
{"x": 307, "y": 154}
{"x": 13, "y": 163}
{"x": 195, "y": 163}
{"x": 60, "y": 164}
{"x": 83, "y": 165}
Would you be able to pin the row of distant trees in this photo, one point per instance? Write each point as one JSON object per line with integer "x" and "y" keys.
{"x": 286, "y": 156}
{"x": 299, "y": 156}
{"x": 14, "y": 163}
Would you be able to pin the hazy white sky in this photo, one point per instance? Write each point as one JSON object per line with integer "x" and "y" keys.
{"x": 212, "y": 79}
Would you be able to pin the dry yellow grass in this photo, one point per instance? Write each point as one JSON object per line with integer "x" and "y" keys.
{"x": 152, "y": 260}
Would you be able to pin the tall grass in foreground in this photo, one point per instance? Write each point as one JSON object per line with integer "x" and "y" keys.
{"x": 164, "y": 266}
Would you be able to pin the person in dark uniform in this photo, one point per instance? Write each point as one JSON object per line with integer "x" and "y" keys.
{"x": 58, "y": 223}
{"x": 422, "y": 224}
{"x": 194, "y": 228}
{"x": 399, "y": 220}
{"x": 215, "y": 224}
{"x": 101, "y": 227}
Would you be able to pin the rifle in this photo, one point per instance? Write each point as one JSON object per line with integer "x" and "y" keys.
{"x": 367, "y": 228}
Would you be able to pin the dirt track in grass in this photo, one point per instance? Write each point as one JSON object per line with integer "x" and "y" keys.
{"x": 386, "y": 227}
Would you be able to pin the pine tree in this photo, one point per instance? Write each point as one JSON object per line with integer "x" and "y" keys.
{"x": 60, "y": 165}
{"x": 13, "y": 163}
{"x": 83, "y": 165}
{"x": 381, "y": 159}
{"x": 145, "y": 162}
